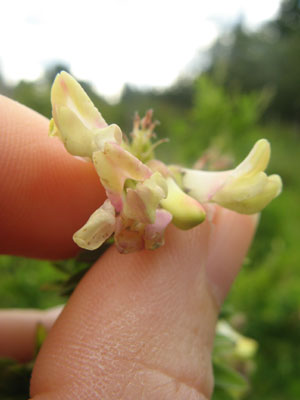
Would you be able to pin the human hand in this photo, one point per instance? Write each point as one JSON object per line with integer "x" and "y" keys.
{"x": 137, "y": 326}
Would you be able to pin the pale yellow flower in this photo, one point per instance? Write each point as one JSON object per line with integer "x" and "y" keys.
{"x": 246, "y": 189}
{"x": 144, "y": 195}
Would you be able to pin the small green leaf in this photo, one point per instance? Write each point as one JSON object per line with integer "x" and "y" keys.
{"x": 222, "y": 394}
{"x": 91, "y": 256}
{"x": 70, "y": 284}
{"x": 41, "y": 334}
{"x": 222, "y": 344}
{"x": 228, "y": 378}
{"x": 76, "y": 268}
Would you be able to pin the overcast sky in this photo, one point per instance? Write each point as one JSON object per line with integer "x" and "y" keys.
{"x": 111, "y": 42}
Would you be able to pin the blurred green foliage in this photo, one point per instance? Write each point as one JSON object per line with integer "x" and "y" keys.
{"x": 27, "y": 283}
{"x": 250, "y": 91}
{"x": 14, "y": 380}
{"x": 269, "y": 57}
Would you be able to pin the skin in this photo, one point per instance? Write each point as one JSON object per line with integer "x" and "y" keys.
{"x": 139, "y": 326}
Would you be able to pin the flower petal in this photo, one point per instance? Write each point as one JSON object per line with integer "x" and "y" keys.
{"x": 99, "y": 227}
{"x": 251, "y": 196}
{"x": 159, "y": 166}
{"x": 154, "y": 233}
{"x": 256, "y": 161}
{"x": 76, "y": 121}
{"x": 76, "y": 137}
{"x": 67, "y": 92}
{"x": 141, "y": 203}
{"x": 202, "y": 185}
{"x": 246, "y": 189}
{"x": 186, "y": 211}
{"x": 111, "y": 133}
{"x": 128, "y": 235}
{"x": 114, "y": 165}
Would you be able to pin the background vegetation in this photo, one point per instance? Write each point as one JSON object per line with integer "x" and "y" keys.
{"x": 250, "y": 90}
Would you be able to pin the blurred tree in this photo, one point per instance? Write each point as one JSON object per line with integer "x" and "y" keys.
{"x": 52, "y": 70}
{"x": 269, "y": 57}
{"x": 288, "y": 22}
{"x": 35, "y": 95}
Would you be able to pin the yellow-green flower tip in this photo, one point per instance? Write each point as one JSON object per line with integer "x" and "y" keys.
{"x": 186, "y": 211}
{"x": 248, "y": 190}
{"x": 244, "y": 347}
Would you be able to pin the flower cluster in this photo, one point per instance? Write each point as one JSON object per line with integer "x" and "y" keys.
{"x": 143, "y": 194}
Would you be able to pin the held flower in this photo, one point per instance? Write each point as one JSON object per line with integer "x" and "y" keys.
{"x": 132, "y": 211}
{"x": 245, "y": 189}
{"x": 143, "y": 194}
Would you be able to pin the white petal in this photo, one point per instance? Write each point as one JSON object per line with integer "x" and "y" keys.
{"x": 202, "y": 185}
{"x": 76, "y": 137}
{"x": 111, "y": 133}
{"x": 114, "y": 165}
{"x": 99, "y": 227}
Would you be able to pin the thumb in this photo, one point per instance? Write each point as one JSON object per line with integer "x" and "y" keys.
{"x": 142, "y": 325}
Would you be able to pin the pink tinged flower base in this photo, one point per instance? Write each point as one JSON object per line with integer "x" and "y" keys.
{"x": 154, "y": 233}
{"x": 142, "y": 202}
{"x": 131, "y": 235}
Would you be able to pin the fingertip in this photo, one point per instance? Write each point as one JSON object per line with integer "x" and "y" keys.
{"x": 46, "y": 194}
{"x": 138, "y": 314}
{"x": 231, "y": 236}
{"x": 146, "y": 312}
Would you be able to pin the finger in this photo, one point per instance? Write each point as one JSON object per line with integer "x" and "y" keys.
{"x": 46, "y": 194}
{"x": 140, "y": 325}
{"x": 18, "y": 331}
{"x": 230, "y": 232}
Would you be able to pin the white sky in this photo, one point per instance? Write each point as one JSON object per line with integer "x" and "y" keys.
{"x": 112, "y": 42}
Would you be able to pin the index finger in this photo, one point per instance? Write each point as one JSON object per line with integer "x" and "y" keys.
{"x": 46, "y": 194}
